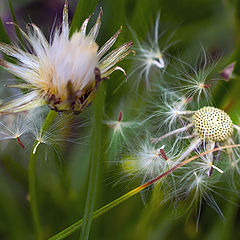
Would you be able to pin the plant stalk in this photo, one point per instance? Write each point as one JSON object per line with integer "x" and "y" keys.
{"x": 76, "y": 226}
{"x": 32, "y": 179}
{"x": 95, "y": 157}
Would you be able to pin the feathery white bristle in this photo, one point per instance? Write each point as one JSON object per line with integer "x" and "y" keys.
{"x": 75, "y": 62}
{"x": 62, "y": 72}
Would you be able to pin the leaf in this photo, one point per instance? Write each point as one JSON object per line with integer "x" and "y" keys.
{"x": 95, "y": 158}
{"x": 3, "y": 34}
{"x": 82, "y": 11}
{"x": 19, "y": 36}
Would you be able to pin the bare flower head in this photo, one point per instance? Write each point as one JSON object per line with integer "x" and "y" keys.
{"x": 213, "y": 124}
{"x": 64, "y": 73}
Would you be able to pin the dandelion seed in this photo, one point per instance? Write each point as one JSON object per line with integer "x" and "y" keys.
{"x": 20, "y": 143}
{"x": 162, "y": 152}
{"x": 63, "y": 130}
{"x": 168, "y": 111}
{"x": 149, "y": 55}
{"x": 196, "y": 80}
{"x": 14, "y": 127}
{"x": 36, "y": 146}
{"x": 120, "y": 116}
{"x": 148, "y": 161}
{"x": 196, "y": 187}
{"x": 218, "y": 169}
{"x": 120, "y": 127}
{"x": 65, "y": 73}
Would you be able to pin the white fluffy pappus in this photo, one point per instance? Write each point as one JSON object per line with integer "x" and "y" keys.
{"x": 195, "y": 80}
{"x": 146, "y": 161}
{"x": 26, "y": 127}
{"x": 120, "y": 129}
{"x": 64, "y": 130}
{"x": 14, "y": 126}
{"x": 64, "y": 73}
{"x": 167, "y": 110}
{"x": 150, "y": 56}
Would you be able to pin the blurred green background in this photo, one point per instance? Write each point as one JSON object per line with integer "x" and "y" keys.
{"x": 62, "y": 182}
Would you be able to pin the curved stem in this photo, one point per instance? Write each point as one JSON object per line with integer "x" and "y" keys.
{"x": 76, "y": 226}
{"x": 32, "y": 179}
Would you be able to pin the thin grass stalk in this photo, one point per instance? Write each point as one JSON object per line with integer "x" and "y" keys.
{"x": 32, "y": 179}
{"x": 76, "y": 226}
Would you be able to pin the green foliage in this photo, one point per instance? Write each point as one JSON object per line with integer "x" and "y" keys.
{"x": 3, "y": 33}
{"x": 19, "y": 36}
{"x": 63, "y": 191}
{"x": 95, "y": 161}
{"x": 82, "y": 11}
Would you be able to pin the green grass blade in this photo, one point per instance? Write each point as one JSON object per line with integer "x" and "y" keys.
{"x": 95, "y": 157}
{"x": 3, "y": 34}
{"x": 82, "y": 11}
{"x": 19, "y": 36}
{"x": 76, "y": 226}
{"x": 68, "y": 231}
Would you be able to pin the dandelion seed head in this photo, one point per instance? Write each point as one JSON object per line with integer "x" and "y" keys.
{"x": 213, "y": 124}
{"x": 65, "y": 72}
{"x": 74, "y": 63}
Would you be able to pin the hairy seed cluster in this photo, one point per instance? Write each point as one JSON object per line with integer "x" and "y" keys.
{"x": 213, "y": 124}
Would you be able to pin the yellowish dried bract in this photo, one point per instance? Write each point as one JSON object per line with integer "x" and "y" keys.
{"x": 213, "y": 124}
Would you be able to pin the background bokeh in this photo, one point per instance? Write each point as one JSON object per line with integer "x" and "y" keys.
{"x": 62, "y": 180}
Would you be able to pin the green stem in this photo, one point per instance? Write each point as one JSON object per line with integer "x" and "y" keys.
{"x": 95, "y": 156}
{"x": 32, "y": 179}
{"x": 76, "y": 226}
{"x": 32, "y": 194}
